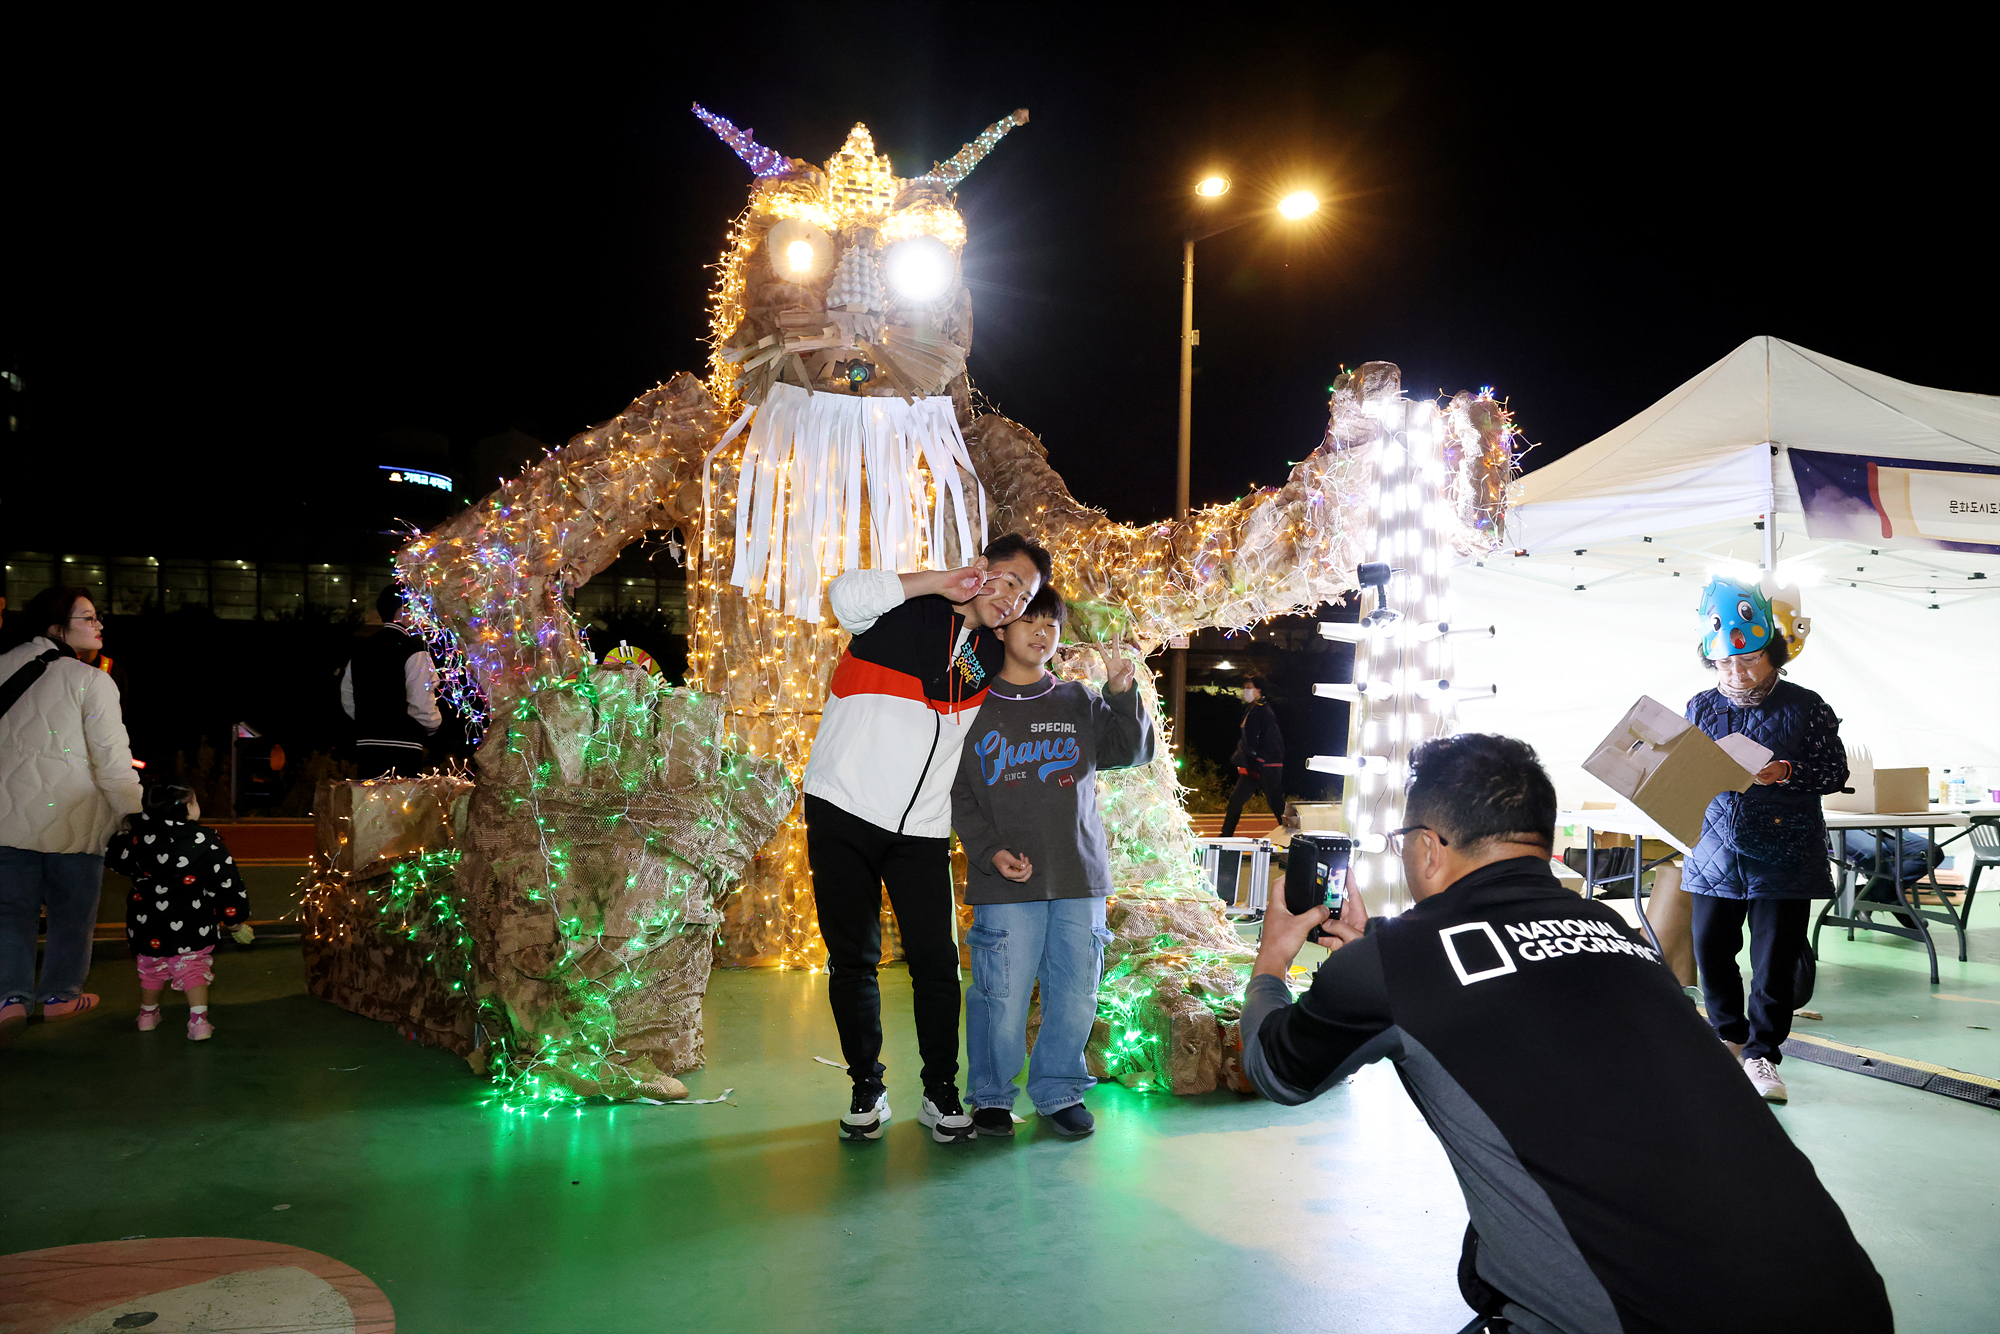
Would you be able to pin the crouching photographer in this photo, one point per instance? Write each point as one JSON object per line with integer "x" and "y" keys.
{"x": 1548, "y": 1049}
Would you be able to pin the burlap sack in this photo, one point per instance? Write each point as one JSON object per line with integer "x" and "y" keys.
{"x": 364, "y": 828}
{"x": 1671, "y": 913}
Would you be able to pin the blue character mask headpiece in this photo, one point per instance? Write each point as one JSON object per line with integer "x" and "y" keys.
{"x": 1736, "y": 618}
{"x": 1739, "y": 617}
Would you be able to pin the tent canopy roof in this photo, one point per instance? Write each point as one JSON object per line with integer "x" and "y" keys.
{"x": 1708, "y": 459}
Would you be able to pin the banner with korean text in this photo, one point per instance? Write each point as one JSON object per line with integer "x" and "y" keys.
{"x": 1887, "y": 502}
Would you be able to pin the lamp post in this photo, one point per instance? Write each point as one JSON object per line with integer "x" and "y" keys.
{"x": 1293, "y": 207}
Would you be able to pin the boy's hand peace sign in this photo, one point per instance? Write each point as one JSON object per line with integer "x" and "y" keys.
{"x": 1119, "y": 672}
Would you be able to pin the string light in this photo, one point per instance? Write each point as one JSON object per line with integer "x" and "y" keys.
{"x": 761, "y": 160}
{"x": 949, "y": 174}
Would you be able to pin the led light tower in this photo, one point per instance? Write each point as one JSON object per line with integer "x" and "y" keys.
{"x": 1403, "y": 692}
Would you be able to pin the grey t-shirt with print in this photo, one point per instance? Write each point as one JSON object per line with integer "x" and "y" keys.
{"x": 1027, "y": 782}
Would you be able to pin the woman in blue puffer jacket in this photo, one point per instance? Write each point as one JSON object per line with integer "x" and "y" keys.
{"x": 1762, "y": 854}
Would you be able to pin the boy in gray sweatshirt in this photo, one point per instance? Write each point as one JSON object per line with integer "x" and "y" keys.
{"x": 1025, "y": 807}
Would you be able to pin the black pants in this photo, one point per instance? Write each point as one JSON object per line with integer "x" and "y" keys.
{"x": 389, "y": 761}
{"x": 1269, "y": 777}
{"x": 1777, "y": 942}
{"x": 851, "y": 861}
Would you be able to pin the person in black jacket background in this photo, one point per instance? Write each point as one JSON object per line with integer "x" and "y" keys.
{"x": 1259, "y": 759}
{"x": 390, "y": 691}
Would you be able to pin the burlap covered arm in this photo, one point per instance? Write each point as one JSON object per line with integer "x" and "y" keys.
{"x": 1228, "y": 565}
{"x": 494, "y": 574}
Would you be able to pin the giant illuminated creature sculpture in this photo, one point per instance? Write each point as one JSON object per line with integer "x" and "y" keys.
{"x": 836, "y": 430}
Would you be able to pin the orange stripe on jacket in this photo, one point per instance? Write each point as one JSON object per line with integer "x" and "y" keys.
{"x": 855, "y": 676}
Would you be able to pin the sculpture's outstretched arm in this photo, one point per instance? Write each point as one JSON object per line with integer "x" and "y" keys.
{"x": 494, "y": 574}
{"x": 1269, "y": 553}
{"x": 1228, "y": 565}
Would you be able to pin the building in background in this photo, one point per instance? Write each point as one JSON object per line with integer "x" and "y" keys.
{"x": 254, "y": 590}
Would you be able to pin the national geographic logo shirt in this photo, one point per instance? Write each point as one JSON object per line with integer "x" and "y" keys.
{"x": 1620, "y": 1171}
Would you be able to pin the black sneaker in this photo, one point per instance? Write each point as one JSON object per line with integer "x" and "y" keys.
{"x": 993, "y": 1122}
{"x": 866, "y": 1116}
{"x": 947, "y": 1119}
{"x": 1072, "y": 1120}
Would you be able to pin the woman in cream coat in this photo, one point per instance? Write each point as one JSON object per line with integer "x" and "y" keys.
{"x": 66, "y": 781}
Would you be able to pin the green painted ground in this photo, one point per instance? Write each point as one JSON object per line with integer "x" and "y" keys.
{"x": 1213, "y": 1213}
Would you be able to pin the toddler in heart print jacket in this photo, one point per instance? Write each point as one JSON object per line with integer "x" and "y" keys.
{"x": 186, "y": 891}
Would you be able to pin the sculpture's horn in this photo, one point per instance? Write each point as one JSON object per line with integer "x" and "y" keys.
{"x": 949, "y": 174}
{"x": 763, "y": 161}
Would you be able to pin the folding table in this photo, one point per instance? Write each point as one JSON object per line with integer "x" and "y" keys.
{"x": 1640, "y": 826}
{"x": 1856, "y": 913}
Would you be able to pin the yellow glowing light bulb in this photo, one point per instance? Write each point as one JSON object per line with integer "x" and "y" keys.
{"x": 1211, "y": 187}
{"x": 1299, "y": 204}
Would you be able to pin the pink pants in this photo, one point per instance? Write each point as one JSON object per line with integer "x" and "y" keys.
{"x": 181, "y": 971}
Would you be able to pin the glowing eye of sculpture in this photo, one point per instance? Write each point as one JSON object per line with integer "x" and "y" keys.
{"x": 799, "y": 251}
{"x": 919, "y": 269}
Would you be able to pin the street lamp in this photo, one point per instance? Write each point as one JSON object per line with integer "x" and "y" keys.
{"x": 1294, "y": 207}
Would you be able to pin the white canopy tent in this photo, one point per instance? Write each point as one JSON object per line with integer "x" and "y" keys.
{"x": 1614, "y": 541}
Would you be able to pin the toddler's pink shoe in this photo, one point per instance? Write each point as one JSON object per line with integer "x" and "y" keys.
{"x": 199, "y": 1029}
{"x": 149, "y": 1019}
{"x": 13, "y": 1018}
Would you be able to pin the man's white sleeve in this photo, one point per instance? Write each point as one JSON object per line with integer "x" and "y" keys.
{"x": 420, "y": 689}
{"x": 347, "y": 690}
{"x": 861, "y": 597}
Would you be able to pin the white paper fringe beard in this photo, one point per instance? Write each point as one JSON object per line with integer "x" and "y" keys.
{"x": 799, "y": 506}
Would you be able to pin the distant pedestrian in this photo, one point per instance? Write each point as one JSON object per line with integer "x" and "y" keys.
{"x": 1259, "y": 760}
{"x": 390, "y": 691}
{"x": 186, "y": 893}
{"x": 66, "y": 780}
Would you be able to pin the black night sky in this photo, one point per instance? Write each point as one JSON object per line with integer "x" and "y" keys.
{"x": 229, "y": 274}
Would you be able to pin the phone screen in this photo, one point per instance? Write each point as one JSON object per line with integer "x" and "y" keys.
{"x": 1320, "y": 880}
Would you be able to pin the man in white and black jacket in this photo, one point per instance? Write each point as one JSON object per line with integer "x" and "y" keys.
{"x": 878, "y": 803}
{"x": 1619, "y": 1172}
{"x": 389, "y": 689}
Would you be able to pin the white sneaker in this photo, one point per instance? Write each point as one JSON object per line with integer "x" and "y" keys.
{"x": 1735, "y": 1050}
{"x": 946, "y": 1117}
{"x": 1764, "y": 1076}
{"x": 865, "y": 1120}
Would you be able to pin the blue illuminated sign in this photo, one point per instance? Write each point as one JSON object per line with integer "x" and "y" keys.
{"x": 417, "y": 477}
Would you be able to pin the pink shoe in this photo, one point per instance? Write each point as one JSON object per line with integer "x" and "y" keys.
{"x": 68, "y": 1009}
{"x": 149, "y": 1019}
{"x": 13, "y": 1018}
{"x": 199, "y": 1029}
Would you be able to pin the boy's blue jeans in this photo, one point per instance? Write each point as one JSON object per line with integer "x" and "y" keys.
{"x": 1059, "y": 942}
